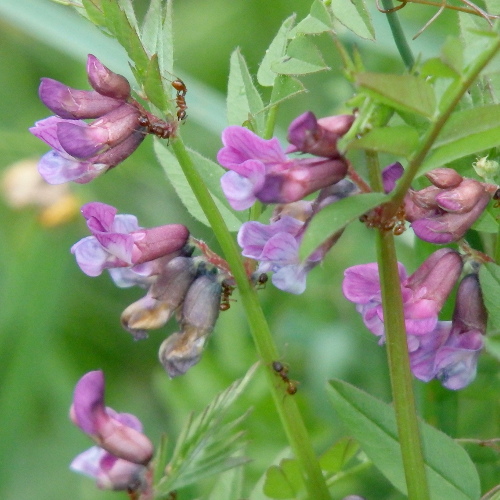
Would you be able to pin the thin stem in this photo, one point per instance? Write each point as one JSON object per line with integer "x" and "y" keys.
{"x": 447, "y": 106}
{"x": 399, "y": 368}
{"x": 286, "y": 406}
{"x": 398, "y": 35}
{"x": 397, "y": 354}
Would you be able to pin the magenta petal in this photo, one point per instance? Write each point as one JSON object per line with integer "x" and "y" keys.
{"x": 119, "y": 245}
{"x": 70, "y": 103}
{"x": 361, "y": 283}
{"x": 240, "y": 144}
{"x": 81, "y": 141}
{"x": 390, "y": 175}
{"x": 99, "y": 216}
{"x": 88, "y": 401}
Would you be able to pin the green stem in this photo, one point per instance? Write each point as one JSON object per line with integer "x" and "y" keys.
{"x": 397, "y": 354}
{"x": 399, "y": 36}
{"x": 286, "y": 406}
{"x": 399, "y": 369}
{"x": 447, "y": 106}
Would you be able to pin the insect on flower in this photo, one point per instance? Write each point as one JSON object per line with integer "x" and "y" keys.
{"x": 153, "y": 125}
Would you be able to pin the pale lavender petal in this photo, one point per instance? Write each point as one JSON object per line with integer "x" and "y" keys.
{"x": 119, "y": 245}
{"x": 88, "y": 462}
{"x": 361, "y": 283}
{"x": 281, "y": 249}
{"x": 92, "y": 258}
{"x": 456, "y": 368}
{"x": 125, "y": 223}
{"x": 125, "y": 277}
{"x": 290, "y": 279}
{"x": 57, "y": 169}
{"x": 238, "y": 190}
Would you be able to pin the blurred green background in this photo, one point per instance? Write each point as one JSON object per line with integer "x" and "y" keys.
{"x": 57, "y": 323}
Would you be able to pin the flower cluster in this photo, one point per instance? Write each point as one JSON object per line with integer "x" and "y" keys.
{"x": 158, "y": 259}
{"x": 81, "y": 151}
{"x": 123, "y": 452}
{"x": 260, "y": 170}
{"x": 443, "y": 212}
{"x": 444, "y": 350}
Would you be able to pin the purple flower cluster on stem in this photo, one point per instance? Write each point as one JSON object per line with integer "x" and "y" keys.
{"x": 120, "y": 459}
{"x": 446, "y": 350}
{"x": 82, "y": 151}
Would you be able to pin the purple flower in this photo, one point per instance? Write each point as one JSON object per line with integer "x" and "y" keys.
{"x": 119, "y": 461}
{"x": 259, "y": 170}
{"x": 424, "y": 292}
{"x": 443, "y": 212}
{"x": 81, "y": 151}
{"x": 318, "y": 137}
{"x": 450, "y": 352}
{"x": 276, "y": 247}
{"x": 118, "y": 241}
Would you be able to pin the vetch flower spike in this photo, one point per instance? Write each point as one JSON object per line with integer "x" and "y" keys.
{"x": 82, "y": 151}
{"x": 424, "y": 292}
{"x": 259, "y": 170}
{"x": 119, "y": 461}
{"x": 118, "y": 241}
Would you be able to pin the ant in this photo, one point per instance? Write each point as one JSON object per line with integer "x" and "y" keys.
{"x": 161, "y": 128}
{"x": 259, "y": 281}
{"x": 227, "y": 291}
{"x": 180, "y": 100}
{"x": 282, "y": 371}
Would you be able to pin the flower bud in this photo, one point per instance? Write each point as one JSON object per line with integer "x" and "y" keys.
{"x": 318, "y": 137}
{"x": 444, "y": 178}
{"x": 487, "y": 169}
{"x": 72, "y": 104}
{"x": 117, "y": 433}
{"x": 104, "y": 81}
{"x": 201, "y": 305}
{"x": 180, "y": 351}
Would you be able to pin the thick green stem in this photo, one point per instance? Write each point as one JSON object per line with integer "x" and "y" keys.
{"x": 399, "y": 369}
{"x": 397, "y": 354}
{"x": 398, "y": 35}
{"x": 285, "y": 404}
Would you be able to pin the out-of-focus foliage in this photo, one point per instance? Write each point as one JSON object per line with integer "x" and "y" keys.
{"x": 56, "y": 323}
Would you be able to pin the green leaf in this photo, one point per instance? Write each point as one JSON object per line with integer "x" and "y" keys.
{"x": 437, "y": 68}
{"x": 317, "y": 21}
{"x": 153, "y": 86}
{"x": 229, "y": 485}
{"x": 127, "y": 36}
{"x": 354, "y": 16}
{"x": 283, "y": 480}
{"x": 94, "y": 12}
{"x": 489, "y": 278}
{"x": 399, "y": 141}
{"x": 466, "y": 132}
{"x": 243, "y": 100}
{"x": 277, "y": 49}
{"x": 302, "y": 57}
{"x": 285, "y": 87}
{"x": 450, "y": 471}
{"x": 335, "y": 458}
{"x": 151, "y": 27}
{"x": 402, "y": 92}
{"x": 207, "y": 446}
{"x": 335, "y": 217}
{"x": 166, "y": 43}
{"x": 209, "y": 171}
